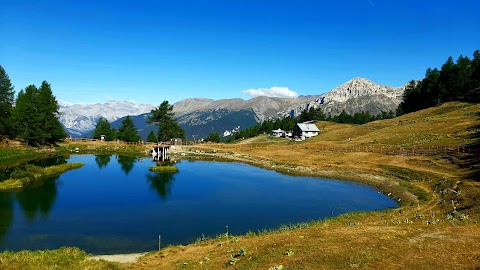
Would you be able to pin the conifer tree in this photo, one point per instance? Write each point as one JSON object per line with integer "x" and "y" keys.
{"x": 127, "y": 132}
{"x": 6, "y": 103}
{"x": 35, "y": 116}
{"x": 168, "y": 128}
{"x": 151, "y": 137}
{"x": 25, "y": 116}
{"x": 103, "y": 128}
{"x": 52, "y": 130}
{"x": 213, "y": 137}
{"x": 458, "y": 81}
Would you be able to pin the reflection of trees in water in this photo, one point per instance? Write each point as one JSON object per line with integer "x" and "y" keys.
{"x": 5, "y": 173}
{"x": 6, "y": 170}
{"x": 161, "y": 182}
{"x": 126, "y": 163}
{"x": 6, "y": 213}
{"x": 38, "y": 199}
{"x": 102, "y": 160}
{"x": 51, "y": 161}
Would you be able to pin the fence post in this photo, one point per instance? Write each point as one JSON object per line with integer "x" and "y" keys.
{"x": 159, "y": 241}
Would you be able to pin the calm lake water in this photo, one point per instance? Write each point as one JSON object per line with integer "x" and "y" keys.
{"x": 115, "y": 205}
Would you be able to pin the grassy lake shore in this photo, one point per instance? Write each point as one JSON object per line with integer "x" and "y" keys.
{"x": 436, "y": 226}
{"x": 34, "y": 175}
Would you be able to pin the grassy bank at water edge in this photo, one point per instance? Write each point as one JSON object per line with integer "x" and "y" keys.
{"x": 34, "y": 175}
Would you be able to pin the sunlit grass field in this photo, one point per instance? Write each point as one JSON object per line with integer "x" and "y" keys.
{"x": 435, "y": 227}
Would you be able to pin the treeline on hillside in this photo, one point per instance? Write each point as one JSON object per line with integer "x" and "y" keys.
{"x": 34, "y": 116}
{"x": 357, "y": 118}
{"x": 458, "y": 81}
{"x": 288, "y": 123}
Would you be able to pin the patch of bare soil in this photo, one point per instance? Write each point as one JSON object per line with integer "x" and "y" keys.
{"x": 121, "y": 258}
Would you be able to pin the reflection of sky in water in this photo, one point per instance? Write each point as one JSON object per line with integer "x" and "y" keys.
{"x": 114, "y": 204}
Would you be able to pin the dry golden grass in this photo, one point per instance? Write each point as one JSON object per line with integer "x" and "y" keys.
{"x": 435, "y": 228}
{"x": 332, "y": 245}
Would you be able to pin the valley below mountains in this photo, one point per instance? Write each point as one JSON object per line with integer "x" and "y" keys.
{"x": 200, "y": 116}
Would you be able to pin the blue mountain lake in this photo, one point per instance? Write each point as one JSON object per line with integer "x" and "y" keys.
{"x": 113, "y": 204}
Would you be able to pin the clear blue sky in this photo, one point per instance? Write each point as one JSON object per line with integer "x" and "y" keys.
{"x": 150, "y": 51}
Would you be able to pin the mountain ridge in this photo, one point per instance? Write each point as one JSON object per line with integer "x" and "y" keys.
{"x": 355, "y": 95}
{"x": 80, "y": 118}
{"x": 198, "y": 115}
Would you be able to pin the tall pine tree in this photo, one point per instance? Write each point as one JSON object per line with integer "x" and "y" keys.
{"x": 103, "y": 128}
{"x": 6, "y": 103}
{"x": 168, "y": 127}
{"x": 127, "y": 132}
{"x": 52, "y": 129}
{"x": 474, "y": 93}
{"x": 25, "y": 115}
{"x": 151, "y": 137}
{"x": 35, "y": 116}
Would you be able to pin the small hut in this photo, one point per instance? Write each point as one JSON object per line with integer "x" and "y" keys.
{"x": 277, "y": 133}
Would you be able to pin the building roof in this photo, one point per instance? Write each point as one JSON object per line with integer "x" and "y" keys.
{"x": 308, "y": 127}
{"x": 278, "y": 131}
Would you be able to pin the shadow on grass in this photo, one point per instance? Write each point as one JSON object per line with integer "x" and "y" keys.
{"x": 473, "y": 159}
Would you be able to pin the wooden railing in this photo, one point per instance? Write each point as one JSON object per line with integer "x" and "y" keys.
{"x": 380, "y": 149}
{"x": 115, "y": 142}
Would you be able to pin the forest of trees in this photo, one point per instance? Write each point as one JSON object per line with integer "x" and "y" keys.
{"x": 287, "y": 123}
{"x": 34, "y": 118}
{"x": 162, "y": 116}
{"x": 458, "y": 81}
{"x": 357, "y": 118}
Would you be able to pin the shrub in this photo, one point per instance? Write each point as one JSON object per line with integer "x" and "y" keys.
{"x": 33, "y": 169}
{"x": 18, "y": 174}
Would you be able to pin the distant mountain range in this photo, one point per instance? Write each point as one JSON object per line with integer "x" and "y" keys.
{"x": 79, "y": 119}
{"x": 199, "y": 116}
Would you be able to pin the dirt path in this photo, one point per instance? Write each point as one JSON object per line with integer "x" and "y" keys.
{"x": 121, "y": 258}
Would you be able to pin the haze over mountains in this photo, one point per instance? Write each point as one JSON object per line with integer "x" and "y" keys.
{"x": 81, "y": 118}
{"x": 200, "y": 116}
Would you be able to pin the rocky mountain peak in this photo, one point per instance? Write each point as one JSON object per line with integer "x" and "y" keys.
{"x": 357, "y": 87}
{"x": 190, "y": 104}
{"x": 202, "y": 115}
{"x": 80, "y": 118}
{"x": 355, "y": 95}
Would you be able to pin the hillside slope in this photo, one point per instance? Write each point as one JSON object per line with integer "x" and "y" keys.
{"x": 435, "y": 227}
{"x": 423, "y": 233}
{"x": 449, "y": 124}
